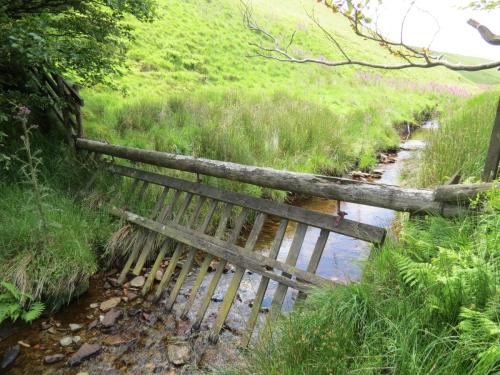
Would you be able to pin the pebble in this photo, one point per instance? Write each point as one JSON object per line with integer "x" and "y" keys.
{"x": 114, "y": 282}
{"x": 178, "y": 354}
{"x": 158, "y": 275}
{"x": 52, "y": 331}
{"x": 131, "y": 296}
{"x": 85, "y": 351}
{"x": 111, "y": 317}
{"x": 94, "y": 305}
{"x": 110, "y": 303}
{"x": 137, "y": 282}
{"x": 75, "y": 327}
{"x": 66, "y": 341}
{"x": 53, "y": 358}
{"x": 116, "y": 340}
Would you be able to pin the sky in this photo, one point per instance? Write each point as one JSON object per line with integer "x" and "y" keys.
{"x": 455, "y": 35}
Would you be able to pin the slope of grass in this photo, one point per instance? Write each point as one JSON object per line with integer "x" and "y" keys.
{"x": 485, "y": 77}
{"x": 195, "y": 56}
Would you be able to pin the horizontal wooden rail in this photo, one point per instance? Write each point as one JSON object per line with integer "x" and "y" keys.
{"x": 463, "y": 192}
{"x": 378, "y": 195}
{"x": 346, "y": 227}
{"x": 233, "y": 253}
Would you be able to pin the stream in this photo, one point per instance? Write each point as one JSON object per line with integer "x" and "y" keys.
{"x": 145, "y": 338}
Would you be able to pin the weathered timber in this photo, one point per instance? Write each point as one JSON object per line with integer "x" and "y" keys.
{"x": 462, "y": 192}
{"x": 346, "y": 227}
{"x": 232, "y": 253}
{"x": 379, "y": 195}
{"x": 493, "y": 156}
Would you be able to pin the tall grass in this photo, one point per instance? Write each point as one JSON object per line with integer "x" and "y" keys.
{"x": 461, "y": 142}
{"x": 428, "y": 304}
{"x": 278, "y": 130}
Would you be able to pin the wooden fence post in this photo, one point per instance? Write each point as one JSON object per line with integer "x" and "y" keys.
{"x": 493, "y": 156}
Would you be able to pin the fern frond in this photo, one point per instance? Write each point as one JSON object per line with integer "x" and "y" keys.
{"x": 34, "y": 312}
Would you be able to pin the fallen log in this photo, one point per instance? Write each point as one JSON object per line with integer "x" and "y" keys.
{"x": 342, "y": 189}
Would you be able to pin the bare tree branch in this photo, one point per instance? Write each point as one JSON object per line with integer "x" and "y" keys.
{"x": 487, "y": 35}
{"x": 270, "y": 47}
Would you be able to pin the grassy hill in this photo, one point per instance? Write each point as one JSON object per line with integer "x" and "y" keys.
{"x": 192, "y": 89}
{"x": 486, "y": 77}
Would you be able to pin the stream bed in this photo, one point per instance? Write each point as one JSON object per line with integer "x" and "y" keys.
{"x": 145, "y": 339}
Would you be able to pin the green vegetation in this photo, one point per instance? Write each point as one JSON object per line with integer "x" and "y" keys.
{"x": 429, "y": 300}
{"x": 12, "y": 302}
{"x": 192, "y": 89}
{"x": 461, "y": 142}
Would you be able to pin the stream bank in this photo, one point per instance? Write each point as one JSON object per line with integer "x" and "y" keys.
{"x": 138, "y": 337}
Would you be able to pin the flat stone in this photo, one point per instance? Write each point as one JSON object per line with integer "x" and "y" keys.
{"x": 75, "y": 327}
{"x": 53, "y": 358}
{"x": 76, "y": 339}
{"x": 178, "y": 354}
{"x": 111, "y": 317}
{"x": 93, "y": 324}
{"x": 9, "y": 356}
{"x": 131, "y": 296}
{"x": 66, "y": 341}
{"x": 116, "y": 340}
{"x": 86, "y": 351}
{"x": 137, "y": 282}
{"x": 110, "y": 303}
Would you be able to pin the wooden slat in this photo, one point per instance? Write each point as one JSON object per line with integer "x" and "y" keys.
{"x": 219, "y": 270}
{"x": 239, "y": 272}
{"x": 140, "y": 235}
{"x": 163, "y": 248}
{"x": 186, "y": 267}
{"x": 346, "y": 227}
{"x": 264, "y": 283}
{"x": 176, "y": 255}
{"x": 147, "y": 249}
{"x": 202, "y": 272}
{"x": 280, "y": 293}
{"x": 232, "y": 253}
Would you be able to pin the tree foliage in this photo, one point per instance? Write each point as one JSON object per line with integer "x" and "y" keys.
{"x": 83, "y": 39}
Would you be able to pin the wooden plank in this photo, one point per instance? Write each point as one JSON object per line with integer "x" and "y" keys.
{"x": 163, "y": 250}
{"x": 281, "y": 290}
{"x": 264, "y": 283}
{"x": 490, "y": 170}
{"x": 147, "y": 249}
{"x": 316, "y": 255}
{"x": 234, "y": 285}
{"x": 379, "y": 195}
{"x": 219, "y": 270}
{"x": 206, "y": 263}
{"x": 186, "y": 267}
{"x": 346, "y": 227}
{"x": 177, "y": 253}
{"x": 147, "y": 238}
{"x": 139, "y": 235}
{"x": 232, "y": 253}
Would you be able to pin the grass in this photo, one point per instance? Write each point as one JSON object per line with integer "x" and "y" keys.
{"x": 485, "y": 77}
{"x": 50, "y": 255}
{"x": 429, "y": 299}
{"x": 192, "y": 89}
{"x": 428, "y": 304}
{"x": 461, "y": 142}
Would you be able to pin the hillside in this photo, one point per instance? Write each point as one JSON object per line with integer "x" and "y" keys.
{"x": 190, "y": 75}
{"x": 486, "y": 77}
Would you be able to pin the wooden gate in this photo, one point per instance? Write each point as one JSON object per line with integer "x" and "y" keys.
{"x": 183, "y": 220}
